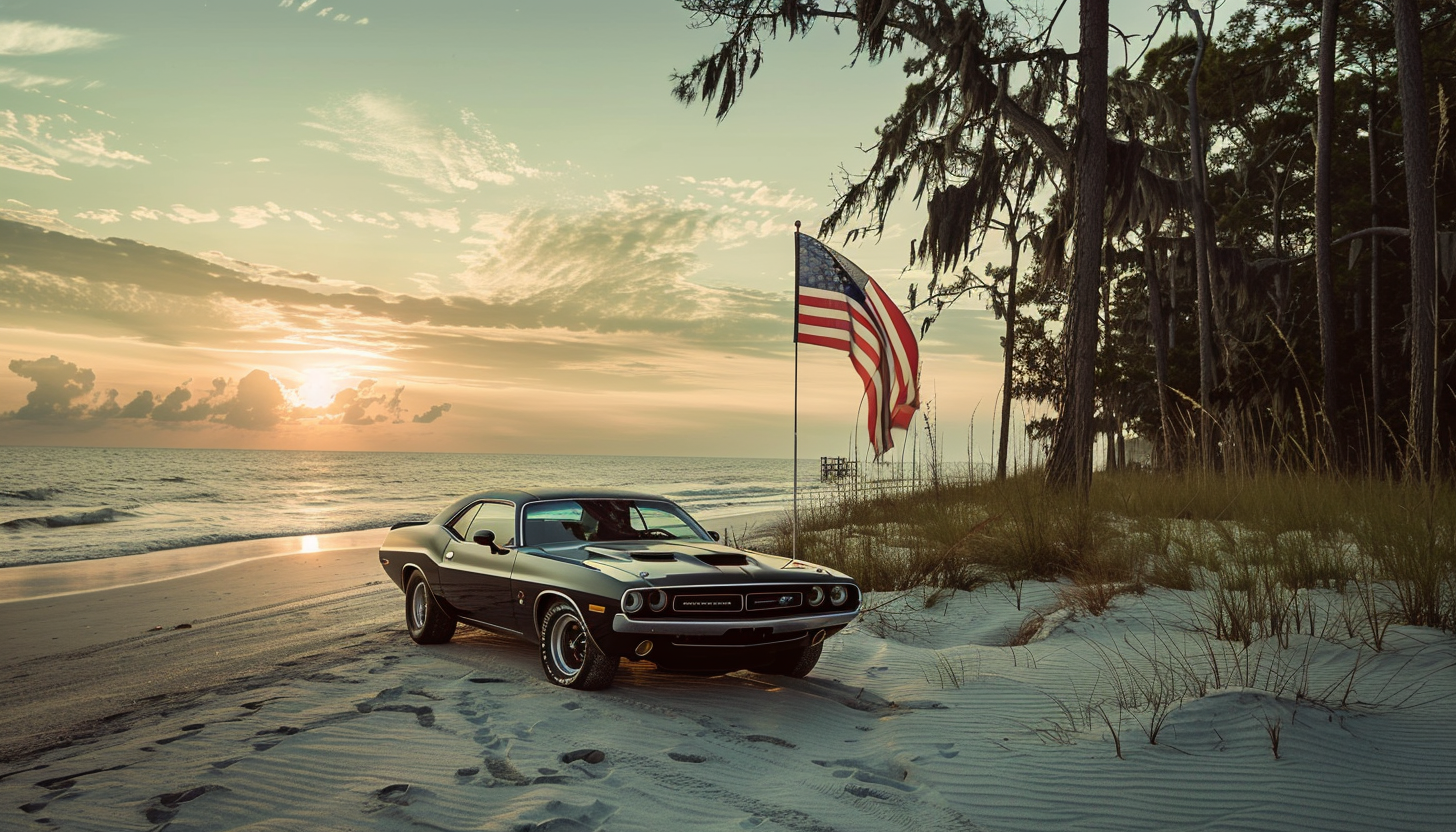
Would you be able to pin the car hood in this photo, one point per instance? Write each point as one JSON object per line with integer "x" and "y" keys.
{"x": 676, "y": 562}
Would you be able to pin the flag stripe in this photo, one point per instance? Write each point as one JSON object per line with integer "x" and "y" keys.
{"x": 842, "y": 308}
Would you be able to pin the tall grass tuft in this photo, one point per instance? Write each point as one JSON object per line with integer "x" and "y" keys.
{"x": 1260, "y": 542}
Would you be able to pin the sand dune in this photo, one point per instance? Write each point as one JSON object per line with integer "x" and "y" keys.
{"x": 297, "y": 702}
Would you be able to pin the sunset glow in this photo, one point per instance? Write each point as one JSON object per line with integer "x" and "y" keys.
{"x": 457, "y": 226}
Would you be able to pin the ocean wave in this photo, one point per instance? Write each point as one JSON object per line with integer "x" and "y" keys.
{"x": 30, "y": 495}
{"x": 61, "y": 521}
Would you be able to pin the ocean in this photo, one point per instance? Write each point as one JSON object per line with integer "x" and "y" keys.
{"x": 64, "y": 504}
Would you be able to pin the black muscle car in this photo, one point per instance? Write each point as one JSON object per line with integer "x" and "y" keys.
{"x": 594, "y": 576}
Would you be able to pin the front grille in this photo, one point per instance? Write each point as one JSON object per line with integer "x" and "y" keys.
{"x": 748, "y": 602}
{"x": 775, "y": 600}
{"x": 707, "y": 603}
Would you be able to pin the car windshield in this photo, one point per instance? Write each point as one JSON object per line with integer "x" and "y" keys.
{"x": 575, "y": 521}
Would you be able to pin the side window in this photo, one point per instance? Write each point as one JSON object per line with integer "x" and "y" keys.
{"x": 462, "y": 523}
{"x": 499, "y": 518}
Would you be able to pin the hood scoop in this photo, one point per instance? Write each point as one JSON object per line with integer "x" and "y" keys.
{"x": 654, "y": 557}
{"x": 724, "y": 559}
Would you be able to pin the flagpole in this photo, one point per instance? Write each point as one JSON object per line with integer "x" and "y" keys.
{"x": 794, "y": 553}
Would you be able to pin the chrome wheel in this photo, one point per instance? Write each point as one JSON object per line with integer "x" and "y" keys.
{"x": 568, "y": 645}
{"x": 568, "y": 655}
{"x": 426, "y": 621}
{"x": 419, "y": 605}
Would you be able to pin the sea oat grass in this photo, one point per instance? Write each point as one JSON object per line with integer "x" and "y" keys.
{"x": 1258, "y": 541}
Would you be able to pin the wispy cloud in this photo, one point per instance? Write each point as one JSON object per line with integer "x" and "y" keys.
{"x": 105, "y": 216}
{"x": 386, "y": 132}
{"x": 436, "y": 218}
{"x": 40, "y": 144}
{"x": 20, "y": 79}
{"x": 256, "y": 216}
{"x": 24, "y": 160}
{"x": 24, "y": 37}
{"x": 325, "y": 12}
{"x": 752, "y": 193}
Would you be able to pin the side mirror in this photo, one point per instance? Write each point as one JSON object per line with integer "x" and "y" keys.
{"x": 714, "y": 535}
{"x": 486, "y": 537}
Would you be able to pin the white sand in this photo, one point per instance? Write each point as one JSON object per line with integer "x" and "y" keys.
{"x": 296, "y": 701}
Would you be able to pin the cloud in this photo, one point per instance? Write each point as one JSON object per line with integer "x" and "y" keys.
{"x": 187, "y": 216}
{"x": 256, "y": 216}
{"x": 174, "y": 407}
{"x": 40, "y": 144}
{"x": 257, "y": 402}
{"x": 752, "y": 193}
{"x": 23, "y": 38}
{"x": 57, "y": 385}
{"x": 139, "y": 407}
{"x": 385, "y": 132}
{"x": 26, "y": 161}
{"x": 433, "y": 413}
{"x": 580, "y": 292}
{"x": 23, "y": 80}
{"x": 352, "y": 404}
{"x": 381, "y": 219}
{"x": 105, "y": 216}
{"x": 448, "y": 221}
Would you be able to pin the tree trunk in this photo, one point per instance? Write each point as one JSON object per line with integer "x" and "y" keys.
{"x": 1203, "y": 247}
{"x": 1421, "y": 199}
{"x": 1010, "y": 354}
{"x": 1323, "y": 188}
{"x": 1160, "y": 339}
{"x": 1071, "y": 460}
{"x": 1377, "y": 436}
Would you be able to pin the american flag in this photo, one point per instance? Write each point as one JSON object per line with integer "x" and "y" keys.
{"x": 838, "y": 306}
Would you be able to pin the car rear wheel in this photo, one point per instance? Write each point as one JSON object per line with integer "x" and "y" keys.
{"x": 427, "y": 622}
{"x": 796, "y": 663}
{"x": 568, "y": 654}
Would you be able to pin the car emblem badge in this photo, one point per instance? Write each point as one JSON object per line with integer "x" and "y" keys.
{"x": 785, "y": 600}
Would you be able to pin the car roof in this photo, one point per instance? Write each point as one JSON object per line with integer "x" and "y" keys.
{"x": 519, "y": 496}
{"x": 522, "y": 496}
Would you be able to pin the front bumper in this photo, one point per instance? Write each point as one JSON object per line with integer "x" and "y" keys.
{"x": 678, "y": 627}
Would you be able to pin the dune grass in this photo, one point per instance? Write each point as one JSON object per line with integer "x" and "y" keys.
{"x": 1258, "y": 543}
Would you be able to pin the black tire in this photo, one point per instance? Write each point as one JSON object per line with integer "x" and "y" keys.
{"x": 568, "y": 655}
{"x": 796, "y": 663}
{"x": 428, "y": 623}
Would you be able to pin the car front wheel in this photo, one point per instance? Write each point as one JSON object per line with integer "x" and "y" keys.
{"x": 568, "y": 654}
{"x": 427, "y": 622}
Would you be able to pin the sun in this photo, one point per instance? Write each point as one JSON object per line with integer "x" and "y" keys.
{"x": 318, "y": 387}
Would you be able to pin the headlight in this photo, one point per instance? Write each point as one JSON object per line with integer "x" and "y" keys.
{"x": 838, "y": 595}
{"x": 657, "y": 601}
{"x": 816, "y": 596}
{"x": 632, "y": 602}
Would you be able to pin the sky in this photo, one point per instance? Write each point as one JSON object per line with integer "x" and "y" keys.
{"x": 433, "y": 226}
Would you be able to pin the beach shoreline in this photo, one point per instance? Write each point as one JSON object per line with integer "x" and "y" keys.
{"x": 282, "y": 691}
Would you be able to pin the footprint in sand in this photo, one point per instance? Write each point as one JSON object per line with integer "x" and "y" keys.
{"x": 187, "y": 731}
{"x": 687, "y": 758}
{"x": 397, "y": 793}
{"x": 167, "y": 805}
{"x": 946, "y": 749}
{"x": 589, "y": 755}
{"x": 771, "y": 740}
